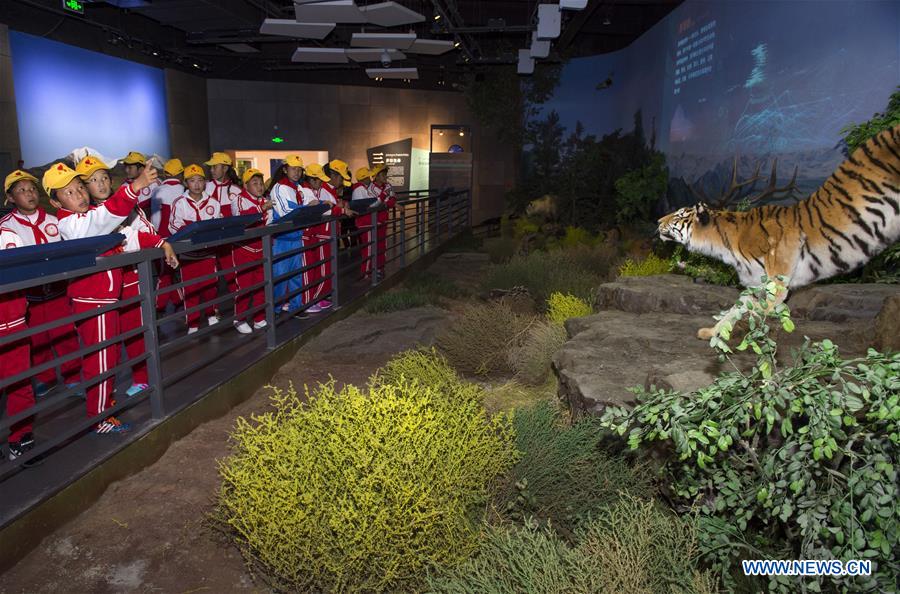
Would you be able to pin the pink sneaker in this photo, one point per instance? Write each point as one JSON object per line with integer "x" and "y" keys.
{"x": 324, "y": 304}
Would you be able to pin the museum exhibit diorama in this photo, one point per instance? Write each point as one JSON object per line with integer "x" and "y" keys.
{"x": 450, "y": 296}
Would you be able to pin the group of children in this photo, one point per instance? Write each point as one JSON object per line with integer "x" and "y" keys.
{"x": 147, "y": 210}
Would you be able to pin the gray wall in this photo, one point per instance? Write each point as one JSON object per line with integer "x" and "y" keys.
{"x": 346, "y": 120}
{"x": 10, "y": 150}
{"x": 187, "y": 107}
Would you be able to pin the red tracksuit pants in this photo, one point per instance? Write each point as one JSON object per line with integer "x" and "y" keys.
{"x": 198, "y": 292}
{"x": 247, "y": 278}
{"x": 320, "y": 257}
{"x": 60, "y": 340}
{"x": 167, "y": 278}
{"x": 130, "y": 317}
{"x": 93, "y": 331}
{"x": 380, "y": 256}
{"x": 15, "y": 358}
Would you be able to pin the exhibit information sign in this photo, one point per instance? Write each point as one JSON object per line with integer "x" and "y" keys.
{"x": 397, "y": 156}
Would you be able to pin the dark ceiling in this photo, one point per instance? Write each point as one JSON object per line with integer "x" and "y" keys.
{"x": 189, "y": 35}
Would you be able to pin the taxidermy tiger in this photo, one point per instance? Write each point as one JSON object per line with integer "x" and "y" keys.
{"x": 850, "y": 219}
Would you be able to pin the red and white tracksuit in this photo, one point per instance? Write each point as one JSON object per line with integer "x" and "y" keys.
{"x": 226, "y": 194}
{"x": 139, "y": 234}
{"x": 15, "y": 357}
{"x": 186, "y": 210}
{"x": 146, "y": 195}
{"x": 47, "y": 303}
{"x": 385, "y": 196}
{"x": 97, "y": 290}
{"x": 247, "y": 252}
{"x": 160, "y": 211}
{"x": 322, "y": 254}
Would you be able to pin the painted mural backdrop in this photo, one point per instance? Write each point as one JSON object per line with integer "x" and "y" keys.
{"x": 715, "y": 80}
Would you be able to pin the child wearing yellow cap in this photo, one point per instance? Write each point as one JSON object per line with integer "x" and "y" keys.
{"x": 164, "y": 195}
{"x": 195, "y": 205}
{"x": 77, "y": 219}
{"x": 383, "y": 192}
{"x": 135, "y": 163}
{"x": 15, "y": 358}
{"x": 251, "y": 201}
{"x": 139, "y": 234}
{"x": 46, "y": 303}
{"x": 285, "y": 193}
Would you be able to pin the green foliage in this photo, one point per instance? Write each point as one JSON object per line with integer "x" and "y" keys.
{"x": 635, "y": 548}
{"x": 358, "y": 490}
{"x": 564, "y": 477}
{"x": 513, "y": 395}
{"x": 702, "y": 267}
{"x": 649, "y": 266}
{"x": 577, "y": 237}
{"x": 795, "y": 462}
{"x": 435, "y": 286}
{"x": 562, "y": 307}
{"x": 639, "y": 190}
{"x": 500, "y": 249}
{"x": 397, "y": 300}
{"x": 855, "y": 135}
{"x": 524, "y": 226}
{"x": 576, "y": 272}
{"x": 479, "y": 341}
{"x": 531, "y": 360}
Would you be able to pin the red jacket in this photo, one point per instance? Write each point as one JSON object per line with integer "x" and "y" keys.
{"x": 100, "y": 288}
{"x": 246, "y": 204}
{"x": 12, "y": 305}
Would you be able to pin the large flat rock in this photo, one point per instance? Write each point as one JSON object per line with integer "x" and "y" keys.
{"x": 367, "y": 334}
{"x": 647, "y": 335}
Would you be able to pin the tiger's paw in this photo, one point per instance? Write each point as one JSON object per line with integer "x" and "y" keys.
{"x": 706, "y": 333}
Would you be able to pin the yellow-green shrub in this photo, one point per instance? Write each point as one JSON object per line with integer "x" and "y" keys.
{"x": 361, "y": 490}
{"x": 650, "y": 265}
{"x": 577, "y": 237}
{"x": 562, "y": 307}
{"x": 426, "y": 366}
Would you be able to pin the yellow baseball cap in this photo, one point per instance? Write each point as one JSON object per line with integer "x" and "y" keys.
{"x": 173, "y": 167}
{"x": 315, "y": 170}
{"x": 135, "y": 158}
{"x": 293, "y": 161}
{"x": 342, "y": 168}
{"x": 192, "y": 170}
{"x": 219, "y": 159}
{"x": 250, "y": 173}
{"x": 89, "y": 165}
{"x": 363, "y": 173}
{"x": 17, "y": 176}
{"x": 377, "y": 169}
{"x": 58, "y": 176}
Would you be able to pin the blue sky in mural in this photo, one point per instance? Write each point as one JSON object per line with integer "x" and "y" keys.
{"x": 67, "y": 97}
{"x": 746, "y": 78}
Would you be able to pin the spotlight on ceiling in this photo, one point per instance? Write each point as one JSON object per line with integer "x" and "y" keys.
{"x": 462, "y": 132}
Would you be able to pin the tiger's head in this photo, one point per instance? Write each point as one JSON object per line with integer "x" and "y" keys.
{"x": 679, "y": 225}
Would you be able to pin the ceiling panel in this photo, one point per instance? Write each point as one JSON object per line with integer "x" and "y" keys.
{"x": 291, "y": 28}
{"x": 373, "y": 55}
{"x": 334, "y": 11}
{"x": 399, "y": 41}
{"x": 320, "y": 55}
{"x": 391, "y": 14}
{"x": 430, "y": 47}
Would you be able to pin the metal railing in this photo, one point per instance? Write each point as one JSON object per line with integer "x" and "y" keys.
{"x": 182, "y": 367}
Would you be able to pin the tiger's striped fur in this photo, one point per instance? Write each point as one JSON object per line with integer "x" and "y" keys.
{"x": 850, "y": 219}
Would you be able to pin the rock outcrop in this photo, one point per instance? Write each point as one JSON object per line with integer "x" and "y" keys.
{"x": 645, "y": 335}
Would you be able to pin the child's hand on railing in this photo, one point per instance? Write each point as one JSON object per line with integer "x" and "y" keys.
{"x": 170, "y": 257}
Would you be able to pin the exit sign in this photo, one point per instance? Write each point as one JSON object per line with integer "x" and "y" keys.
{"x": 74, "y": 6}
{"x": 278, "y": 140}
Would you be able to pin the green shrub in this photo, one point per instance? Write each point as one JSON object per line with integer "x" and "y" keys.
{"x": 649, "y": 266}
{"x": 361, "y": 490}
{"x": 639, "y": 190}
{"x": 544, "y": 273}
{"x": 635, "y": 548}
{"x": 531, "y": 360}
{"x": 795, "y": 462}
{"x": 500, "y": 249}
{"x": 397, "y": 300}
{"x": 435, "y": 286}
{"x": 703, "y": 267}
{"x": 564, "y": 477}
{"x": 425, "y": 366}
{"x": 479, "y": 340}
{"x": 525, "y": 226}
{"x": 577, "y": 237}
{"x": 562, "y": 307}
{"x": 856, "y": 135}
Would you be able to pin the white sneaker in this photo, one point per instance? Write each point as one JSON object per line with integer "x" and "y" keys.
{"x": 313, "y": 309}
{"x": 192, "y": 330}
{"x": 212, "y": 320}
{"x": 243, "y": 328}
{"x": 286, "y": 307}
{"x": 260, "y": 325}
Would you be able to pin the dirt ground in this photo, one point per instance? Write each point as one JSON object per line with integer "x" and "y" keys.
{"x": 148, "y": 533}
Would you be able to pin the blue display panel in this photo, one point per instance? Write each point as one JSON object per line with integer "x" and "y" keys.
{"x": 754, "y": 79}
{"x": 68, "y": 97}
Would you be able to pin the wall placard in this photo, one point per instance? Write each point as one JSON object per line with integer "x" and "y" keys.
{"x": 397, "y": 156}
